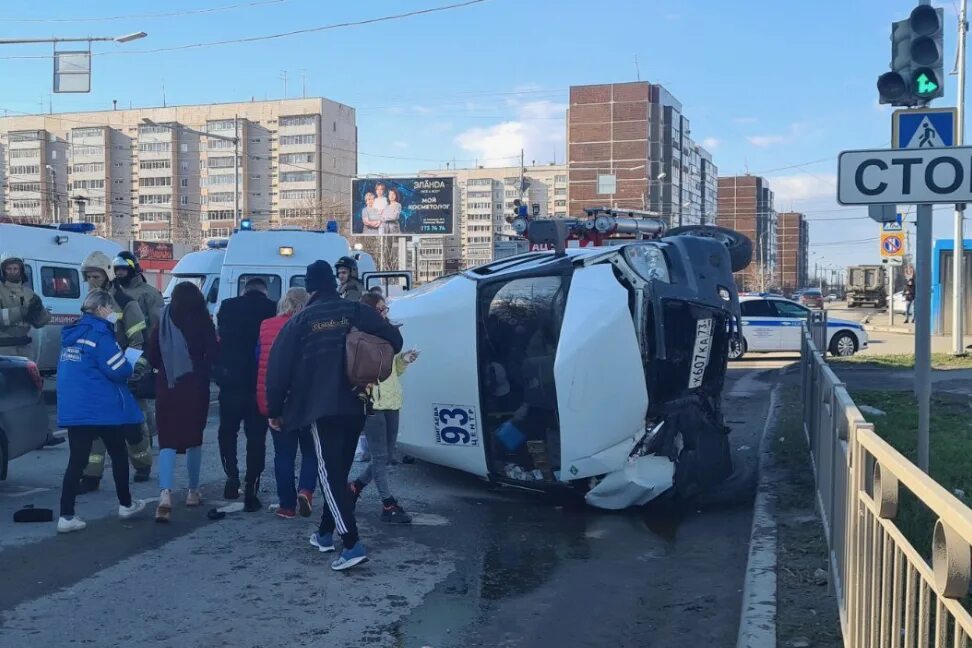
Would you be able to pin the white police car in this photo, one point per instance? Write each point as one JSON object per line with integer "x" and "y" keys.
{"x": 772, "y": 324}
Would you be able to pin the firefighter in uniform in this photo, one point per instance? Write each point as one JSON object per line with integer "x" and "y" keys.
{"x": 20, "y": 308}
{"x": 130, "y": 334}
{"x": 131, "y": 282}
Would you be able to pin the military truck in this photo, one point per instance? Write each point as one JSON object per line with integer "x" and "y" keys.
{"x": 867, "y": 284}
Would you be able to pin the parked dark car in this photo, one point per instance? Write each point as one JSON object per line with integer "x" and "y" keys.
{"x": 23, "y": 416}
{"x": 812, "y": 298}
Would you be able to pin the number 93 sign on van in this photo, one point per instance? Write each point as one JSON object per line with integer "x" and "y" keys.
{"x": 455, "y": 425}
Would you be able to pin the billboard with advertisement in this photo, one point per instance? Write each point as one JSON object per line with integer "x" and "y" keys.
{"x": 402, "y": 206}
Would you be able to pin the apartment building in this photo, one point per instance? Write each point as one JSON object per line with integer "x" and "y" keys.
{"x": 629, "y": 145}
{"x": 793, "y": 245}
{"x": 170, "y": 174}
{"x": 484, "y": 198}
{"x": 746, "y": 205}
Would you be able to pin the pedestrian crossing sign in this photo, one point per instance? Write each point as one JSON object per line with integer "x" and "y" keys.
{"x": 923, "y": 128}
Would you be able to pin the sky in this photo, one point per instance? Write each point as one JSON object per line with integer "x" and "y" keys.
{"x": 773, "y": 88}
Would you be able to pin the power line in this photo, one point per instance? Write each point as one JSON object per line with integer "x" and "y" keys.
{"x": 147, "y": 16}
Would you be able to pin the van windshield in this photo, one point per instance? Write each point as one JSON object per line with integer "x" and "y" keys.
{"x": 197, "y": 280}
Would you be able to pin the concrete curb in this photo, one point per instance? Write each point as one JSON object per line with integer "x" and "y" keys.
{"x": 757, "y": 623}
{"x": 879, "y": 328}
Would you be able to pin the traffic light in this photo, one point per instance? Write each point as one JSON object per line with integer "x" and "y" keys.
{"x": 917, "y": 73}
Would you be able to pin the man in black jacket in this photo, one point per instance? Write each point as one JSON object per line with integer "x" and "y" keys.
{"x": 239, "y": 322}
{"x": 307, "y": 385}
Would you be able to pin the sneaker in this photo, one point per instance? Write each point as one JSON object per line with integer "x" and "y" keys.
{"x": 350, "y": 557}
{"x": 89, "y": 484}
{"x": 194, "y": 497}
{"x": 125, "y": 512}
{"x": 232, "y": 489}
{"x": 251, "y": 503}
{"x": 67, "y": 525}
{"x": 324, "y": 543}
{"x": 393, "y": 513}
{"x": 286, "y": 513}
{"x": 142, "y": 475}
{"x": 305, "y": 501}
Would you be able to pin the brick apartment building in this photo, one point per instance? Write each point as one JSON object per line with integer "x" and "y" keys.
{"x": 637, "y": 134}
{"x": 793, "y": 244}
{"x": 746, "y": 205}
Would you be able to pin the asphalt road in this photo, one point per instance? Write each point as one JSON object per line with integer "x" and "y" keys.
{"x": 481, "y": 567}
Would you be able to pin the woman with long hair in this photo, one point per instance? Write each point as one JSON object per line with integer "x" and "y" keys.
{"x": 390, "y": 214}
{"x": 183, "y": 348}
{"x": 286, "y": 442}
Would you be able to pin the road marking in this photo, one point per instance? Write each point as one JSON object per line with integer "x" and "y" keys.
{"x": 30, "y": 491}
{"x": 429, "y": 519}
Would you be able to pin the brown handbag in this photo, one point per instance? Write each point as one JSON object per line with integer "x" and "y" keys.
{"x": 369, "y": 359}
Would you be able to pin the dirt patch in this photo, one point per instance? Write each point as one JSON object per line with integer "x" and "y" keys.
{"x": 807, "y": 612}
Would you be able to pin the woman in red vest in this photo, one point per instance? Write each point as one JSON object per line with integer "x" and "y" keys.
{"x": 286, "y": 442}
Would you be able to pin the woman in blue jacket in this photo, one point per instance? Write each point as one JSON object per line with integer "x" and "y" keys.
{"x": 93, "y": 400}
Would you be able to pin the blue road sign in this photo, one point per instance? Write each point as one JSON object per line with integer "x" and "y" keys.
{"x": 923, "y": 128}
{"x": 892, "y": 244}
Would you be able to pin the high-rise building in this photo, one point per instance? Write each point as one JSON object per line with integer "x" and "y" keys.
{"x": 629, "y": 146}
{"x": 484, "y": 199}
{"x": 792, "y": 235}
{"x": 746, "y": 205}
{"x": 154, "y": 173}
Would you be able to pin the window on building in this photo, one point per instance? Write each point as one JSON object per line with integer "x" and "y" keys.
{"x": 184, "y": 165}
{"x": 24, "y": 186}
{"x": 60, "y": 282}
{"x": 25, "y": 170}
{"x": 184, "y": 200}
{"x": 290, "y": 140}
{"x": 146, "y": 129}
{"x": 221, "y": 179}
{"x": 18, "y": 154}
{"x": 155, "y": 164}
{"x": 560, "y": 192}
{"x": 87, "y": 132}
{"x": 90, "y": 167}
{"x": 560, "y": 203}
{"x": 28, "y": 136}
{"x": 184, "y": 183}
{"x": 297, "y": 176}
{"x": 219, "y": 144}
{"x": 221, "y": 196}
{"x": 162, "y": 181}
{"x": 155, "y": 147}
{"x": 298, "y": 194}
{"x": 297, "y": 158}
{"x": 561, "y": 179}
{"x": 155, "y": 199}
{"x": 221, "y": 163}
{"x": 298, "y": 120}
{"x": 88, "y": 184}
{"x": 221, "y": 125}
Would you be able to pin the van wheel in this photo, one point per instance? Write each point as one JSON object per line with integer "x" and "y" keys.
{"x": 739, "y": 246}
{"x": 843, "y": 345}
{"x": 737, "y": 347}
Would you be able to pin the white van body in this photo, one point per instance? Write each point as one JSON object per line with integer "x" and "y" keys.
{"x": 53, "y": 259}
{"x": 201, "y": 268}
{"x": 280, "y": 257}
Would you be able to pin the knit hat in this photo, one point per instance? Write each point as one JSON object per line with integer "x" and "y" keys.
{"x": 320, "y": 278}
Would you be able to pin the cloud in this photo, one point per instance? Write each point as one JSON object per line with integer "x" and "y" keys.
{"x": 744, "y": 120}
{"x": 796, "y": 130}
{"x": 537, "y": 129}
{"x": 802, "y": 188}
{"x": 711, "y": 143}
{"x": 766, "y": 141}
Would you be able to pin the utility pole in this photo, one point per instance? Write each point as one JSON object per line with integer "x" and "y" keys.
{"x": 958, "y": 278}
{"x": 236, "y": 171}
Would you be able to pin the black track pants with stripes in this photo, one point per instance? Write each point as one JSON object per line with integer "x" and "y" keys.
{"x": 335, "y": 439}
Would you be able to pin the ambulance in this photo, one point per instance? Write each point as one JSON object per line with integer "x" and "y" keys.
{"x": 53, "y": 255}
{"x": 279, "y": 256}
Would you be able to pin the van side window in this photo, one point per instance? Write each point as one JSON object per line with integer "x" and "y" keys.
{"x": 28, "y": 277}
{"x": 273, "y": 284}
{"x": 213, "y": 295}
{"x": 60, "y": 282}
{"x": 298, "y": 281}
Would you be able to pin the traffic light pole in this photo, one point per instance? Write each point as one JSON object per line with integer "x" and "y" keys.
{"x": 958, "y": 254}
{"x": 923, "y": 285}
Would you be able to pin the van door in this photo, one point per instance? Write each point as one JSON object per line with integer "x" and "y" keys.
{"x": 59, "y": 286}
{"x": 392, "y": 284}
{"x": 601, "y": 419}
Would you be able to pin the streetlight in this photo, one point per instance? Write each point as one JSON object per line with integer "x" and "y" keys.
{"x": 236, "y": 158}
{"x": 72, "y": 68}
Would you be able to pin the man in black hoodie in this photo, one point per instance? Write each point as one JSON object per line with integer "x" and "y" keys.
{"x": 307, "y": 385}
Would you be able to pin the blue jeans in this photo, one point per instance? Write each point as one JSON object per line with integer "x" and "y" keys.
{"x": 285, "y": 446}
{"x": 909, "y": 311}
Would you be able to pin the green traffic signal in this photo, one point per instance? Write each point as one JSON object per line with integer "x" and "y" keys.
{"x": 925, "y": 83}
